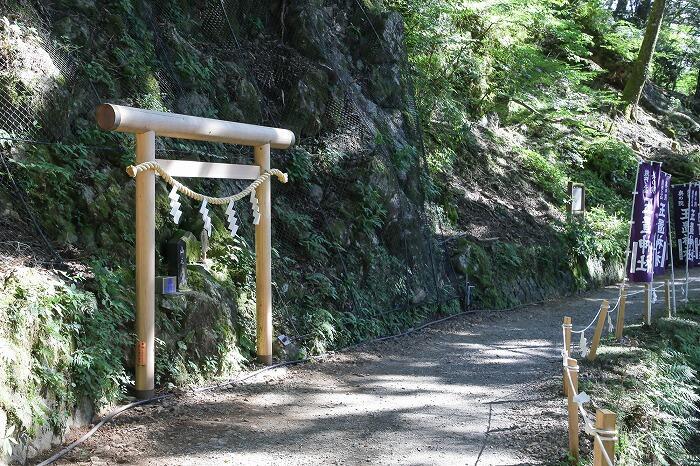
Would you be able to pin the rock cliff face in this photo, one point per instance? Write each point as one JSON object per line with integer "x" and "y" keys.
{"x": 355, "y": 253}
{"x": 358, "y": 250}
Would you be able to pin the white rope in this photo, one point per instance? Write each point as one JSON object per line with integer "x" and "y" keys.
{"x": 614, "y": 308}
{"x": 134, "y": 170}
{"x": 596, "y": 317}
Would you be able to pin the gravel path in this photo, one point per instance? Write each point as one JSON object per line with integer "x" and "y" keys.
{"x": 482, "y": 389}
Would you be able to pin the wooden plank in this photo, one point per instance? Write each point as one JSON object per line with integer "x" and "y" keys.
{"x": 191, "y": 169}
{"x": 572, "y": 407}
{"x": 145, "y": 267}
{"x": 112, "y": 117}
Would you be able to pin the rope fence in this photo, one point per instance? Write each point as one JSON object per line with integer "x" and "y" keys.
{"x": 600, "y": 318}
{"x": 603, "y": 428}
{"x": 603, "y": 431}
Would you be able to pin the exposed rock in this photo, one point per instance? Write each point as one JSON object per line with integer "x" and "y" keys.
{"x": 305, "y": 23}
{"x": 385, "y": 85}
{"x": 419, "y": 296}
{"x": 248, "y": 100}
{"x": 461, "y": 264}
{"x": 308, "y": 99}
{"x": 195, "y": 104}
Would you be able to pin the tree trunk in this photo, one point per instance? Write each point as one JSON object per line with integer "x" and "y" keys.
{"x": 621, "y": 8}
{"x": 697, "y": 87}
{"x": 640, "y": 68}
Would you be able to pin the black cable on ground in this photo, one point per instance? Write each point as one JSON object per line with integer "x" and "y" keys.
{"x": 104, "y": 420}
{"x": 234, "y": 382}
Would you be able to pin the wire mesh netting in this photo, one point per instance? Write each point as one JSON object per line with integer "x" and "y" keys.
{"x": 345, "y": 142}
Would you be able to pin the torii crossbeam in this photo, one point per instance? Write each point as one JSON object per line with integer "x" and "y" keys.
{"x": 146, "y": 125}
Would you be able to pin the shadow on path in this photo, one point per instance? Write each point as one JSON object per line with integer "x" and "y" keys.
{"x": 480, "y": 390}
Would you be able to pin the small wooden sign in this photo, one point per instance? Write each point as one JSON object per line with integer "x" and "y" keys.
{"x": 577, "y": 196}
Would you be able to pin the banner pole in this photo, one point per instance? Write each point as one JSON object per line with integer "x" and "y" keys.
{"x": 650, "y": 289}
{"x": 670, "y": 252}
{"x": 687, "y": 243}
{"x": 629, "y": 236}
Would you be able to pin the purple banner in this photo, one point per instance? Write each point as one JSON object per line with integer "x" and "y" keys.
{"x": 661, "y": 237}
{"x": 694, "y": 224}
{"x": 685, "y": 200}
{"x": 640, "y": 263}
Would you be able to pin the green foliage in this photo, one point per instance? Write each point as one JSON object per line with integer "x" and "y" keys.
{"x": 300, "y": 167}
{"x": 546, "y": 173}
{"x": 598, "y": 236}
{"x": 676, "y": 58}
{"x": 404, "y": 158}
{"x": 98, "y": 367}
{"x": 688, "y": 82}
{"x": 614, "y": 162}
{"x": 536, "y": 64}
{"x": 683, "y": 167}
{"x": 371, "y": 209}
{"x": 58, "y": 344}
{"x": 199, "y": 73}
{"x": 653, "y": 388}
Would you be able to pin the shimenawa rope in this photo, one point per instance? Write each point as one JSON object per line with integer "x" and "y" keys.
{"x": 134, "y": 170}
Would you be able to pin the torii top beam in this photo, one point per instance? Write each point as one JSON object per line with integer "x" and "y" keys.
{"x": 124, "y": 119}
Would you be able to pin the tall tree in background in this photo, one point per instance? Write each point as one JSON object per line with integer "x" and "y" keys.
{"x": 640, "y": 68}
{"x": 697, "y": 87}
{"x": 621, "y": 8}
{"x": 642, "y": 11}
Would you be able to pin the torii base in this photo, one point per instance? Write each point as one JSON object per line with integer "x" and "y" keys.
{"x": 144, "y": 394}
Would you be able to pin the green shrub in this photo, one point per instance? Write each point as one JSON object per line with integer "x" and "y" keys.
{"x": 547, "y": 174}
{"x": 599, "y": 235}
{"x": 614, "y": 162}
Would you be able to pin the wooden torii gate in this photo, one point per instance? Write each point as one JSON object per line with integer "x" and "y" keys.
{"x": 146, "y": 125}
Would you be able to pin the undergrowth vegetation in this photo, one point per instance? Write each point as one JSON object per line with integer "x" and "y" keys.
{"x": 651, "y": 382}
{"x": 513, "y": 100}
{"x": 57, "y": 337}
{"x": 533, "y": 72}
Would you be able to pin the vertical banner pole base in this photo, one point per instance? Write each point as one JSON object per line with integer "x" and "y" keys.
{"x": 567, "y": 326}
{"x": 647, "y": 304}
{"x": 620, "y": 324}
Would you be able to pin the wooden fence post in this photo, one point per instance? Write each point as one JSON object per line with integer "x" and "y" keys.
{"x": 620, "y": 326}
{"x": 572, "y": 369}
{"x": 598, "y": 330}
{"x": 604, "y": 420}
{"x": 567, "y": 347}
{"x": 667, "y": 290}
